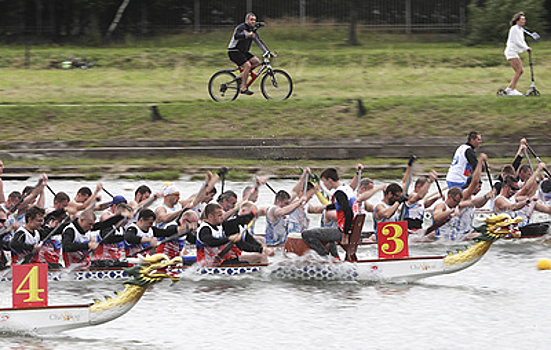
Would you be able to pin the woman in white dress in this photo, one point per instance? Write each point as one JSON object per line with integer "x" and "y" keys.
{"x": 515, "y": 45}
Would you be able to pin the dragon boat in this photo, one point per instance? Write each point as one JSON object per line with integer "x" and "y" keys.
{"x": 309, "y": 267}
{"x": 47, "y": 319}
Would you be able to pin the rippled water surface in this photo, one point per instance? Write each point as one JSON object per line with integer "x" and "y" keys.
{"x": 502, "y": 302}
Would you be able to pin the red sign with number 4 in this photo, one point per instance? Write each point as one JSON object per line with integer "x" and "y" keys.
{"x": 392, "y": 239}
{"x": 30, "y": 285}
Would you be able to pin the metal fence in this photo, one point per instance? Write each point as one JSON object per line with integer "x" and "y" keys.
{"x": 395, "y": 15}
{"x": 72, "y": 17}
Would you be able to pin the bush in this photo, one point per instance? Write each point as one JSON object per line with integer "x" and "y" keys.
{"x": 488, "y": 21}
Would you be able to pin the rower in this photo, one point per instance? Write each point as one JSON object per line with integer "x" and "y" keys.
{"x": 142, "y": 234}
{"x": 214, "y": 234}
{"x": 83, "y": 199}
{"x": 51, "y": 248}
{"x": 188, "y": 223}
{"x": 464, "y": 161}
{"x": 4, "y": 239}
{"x": 112, "y": 209}
{"x": 141, "y": 195}
{"x": 456, "y": 213}
{"x": 171, "y": 207}
{"x": 108, "y": 253}
{"x": 387, "y": 209}
{"x": 344, "y": 201}
{"x": 76, "y": 240}
{"x": 287, "y": 214}
{"x": 26, "y": 239}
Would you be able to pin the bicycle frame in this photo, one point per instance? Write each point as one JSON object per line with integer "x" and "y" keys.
{"x": 264, "y": 67}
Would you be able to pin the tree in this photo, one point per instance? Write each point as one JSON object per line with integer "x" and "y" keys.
{"x": 489, "y": 21}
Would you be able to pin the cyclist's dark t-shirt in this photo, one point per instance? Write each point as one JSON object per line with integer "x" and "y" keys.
{"x": 240, "y": 42}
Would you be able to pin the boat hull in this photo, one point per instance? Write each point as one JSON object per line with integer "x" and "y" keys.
{"x": 45, "y": 319}
{"x": 398, "y": 270}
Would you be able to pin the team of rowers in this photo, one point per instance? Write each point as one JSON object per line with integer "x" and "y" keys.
{"x": 71, "y": 235}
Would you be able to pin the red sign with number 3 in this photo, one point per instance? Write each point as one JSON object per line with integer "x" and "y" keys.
{"x": 30, "y": 285}
{"x": 392, "y": 239}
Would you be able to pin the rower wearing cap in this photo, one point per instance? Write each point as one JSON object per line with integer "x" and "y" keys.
{"x": 171, "y": 207}
{"x": 112, "y": 209}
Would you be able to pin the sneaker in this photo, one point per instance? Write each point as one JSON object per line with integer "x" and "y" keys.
{"x": 247, "y": 92}
{"x": 514, "y": 93}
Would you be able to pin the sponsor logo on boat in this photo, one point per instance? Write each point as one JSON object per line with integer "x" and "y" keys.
{"x": 4, "y": 317}
{"x": 422, "y": 267}
{"x": 64, "y": 317}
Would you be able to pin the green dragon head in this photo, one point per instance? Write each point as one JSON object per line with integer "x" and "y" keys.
{"x": 499, "y": 226}
{"x": 152, "y": 269}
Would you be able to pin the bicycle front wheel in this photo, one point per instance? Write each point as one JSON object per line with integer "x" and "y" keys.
{"x": 223, "y": 86}
{"x": 276, "y": 85}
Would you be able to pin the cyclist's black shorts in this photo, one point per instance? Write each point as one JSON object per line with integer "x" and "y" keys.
{"x": 240, "y": 57}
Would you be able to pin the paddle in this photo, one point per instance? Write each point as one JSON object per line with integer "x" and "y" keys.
{"x": 528, "y": 159}
{"x": 359, "y": 181}
{"x": 166, "y": 240}
{"x": 489, "y": 175}
{"x": 108, "y": 193}
{"x": 50, "y": 189}
{"x": 439, "y": 188}
{"x": 537, "y": 158}
{"x": 271, "y": 188}
{"x": 222, "y": 173}
{"x": 412, "y": 159}
{"x": 230, "y": 245}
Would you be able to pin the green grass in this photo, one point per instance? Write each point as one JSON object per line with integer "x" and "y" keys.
{"x": 411, "y": 86}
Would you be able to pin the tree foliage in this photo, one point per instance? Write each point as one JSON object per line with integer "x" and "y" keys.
{"x": 489, "y": 20}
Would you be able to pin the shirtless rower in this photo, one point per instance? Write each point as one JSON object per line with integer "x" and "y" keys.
{"x": 141, "y": 195}
{"x": 83, "y": 199}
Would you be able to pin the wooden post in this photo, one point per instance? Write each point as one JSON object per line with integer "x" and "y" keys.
{"x": 197, "y": 16}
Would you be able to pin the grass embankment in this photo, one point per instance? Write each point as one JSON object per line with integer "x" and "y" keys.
{"x": 410, "y": 86}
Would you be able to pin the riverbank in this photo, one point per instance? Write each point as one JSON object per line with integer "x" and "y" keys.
{"x": 384, "y": 158}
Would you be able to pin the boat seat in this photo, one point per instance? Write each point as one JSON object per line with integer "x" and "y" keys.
{"x": 350, "y": 242}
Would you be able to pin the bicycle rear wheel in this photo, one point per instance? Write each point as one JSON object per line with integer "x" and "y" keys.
{"x": 223, "y": 86}
{"x": 276, "y": 85}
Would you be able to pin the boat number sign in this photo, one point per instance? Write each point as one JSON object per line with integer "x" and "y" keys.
{"x": 392, "y": 239}
{"x": 30, "y": 285}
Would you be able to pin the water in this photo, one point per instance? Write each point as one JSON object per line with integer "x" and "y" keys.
{"x": 501, "y": 302}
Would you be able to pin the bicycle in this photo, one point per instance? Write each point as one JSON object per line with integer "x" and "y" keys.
{"x": 276, "y": 84}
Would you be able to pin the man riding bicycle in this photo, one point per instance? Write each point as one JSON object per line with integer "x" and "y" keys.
{"x": 240, "y": 44}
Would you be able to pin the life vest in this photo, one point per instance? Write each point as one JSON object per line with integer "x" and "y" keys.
{"x": 131, "y": 249}
{"x": 110, "y": 250}
{"x": 207, "y": 255}
{"x": 31, "y": 238}
{"x": 173, "y": 248}
{"x": 74, "y": 257}
{"x": 460, "y": 169}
